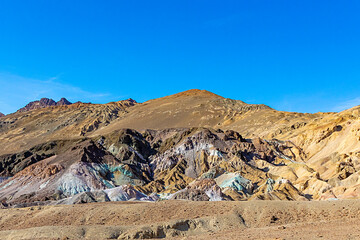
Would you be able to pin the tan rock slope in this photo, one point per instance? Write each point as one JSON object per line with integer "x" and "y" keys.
{"x": 193, "y": 108}
{"x": 201, "y": 146}
{"x": 22, "y": 130}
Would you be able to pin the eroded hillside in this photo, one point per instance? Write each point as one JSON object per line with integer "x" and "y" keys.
{"x": 194, "y": 145}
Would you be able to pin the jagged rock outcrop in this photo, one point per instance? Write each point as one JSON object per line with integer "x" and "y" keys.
{"x": 194, "y": 164}
{"x": 43, "y": 103}
{"x": 64, "y": 172}
{"x": 2, "y": 115}
{"x": 62, "y": 102}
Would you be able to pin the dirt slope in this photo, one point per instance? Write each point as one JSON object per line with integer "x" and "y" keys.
{"x": 193, "y": 108}
{"x": 185, "y": 220}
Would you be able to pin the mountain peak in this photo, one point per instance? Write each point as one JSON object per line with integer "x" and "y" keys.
{"x": 130, "y": 100}
{"x": 196, "y": 92}
{"x": 63, "y": 101}
{"x": 2, "y": 115}
{"x": 43, "y": 103}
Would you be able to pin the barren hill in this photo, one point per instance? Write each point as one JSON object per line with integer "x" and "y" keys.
{"x": 193, "y": 145}
{"x": 193, "y": 108}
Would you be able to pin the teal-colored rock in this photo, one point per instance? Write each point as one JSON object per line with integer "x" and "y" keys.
{"x": 235, "y": 181}
{"x": 120, "y": 168}
{"x": 270, "y": 184}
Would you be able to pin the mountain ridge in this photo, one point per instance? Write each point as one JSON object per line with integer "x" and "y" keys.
{"x": 43, "y": 103}
{"x": 48, "y": 102}
{"x": 193, "y": 145}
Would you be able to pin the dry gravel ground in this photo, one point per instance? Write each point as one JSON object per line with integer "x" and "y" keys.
{"x": 185, "y": 220}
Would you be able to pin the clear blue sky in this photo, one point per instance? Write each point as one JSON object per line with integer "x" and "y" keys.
{"x": 291, "y": 55}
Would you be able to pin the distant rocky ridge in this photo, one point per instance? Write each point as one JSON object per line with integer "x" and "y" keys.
{"x": 63, "y": 101}
{"x": 2, "y": 115}
{"x": 43, "y": 103}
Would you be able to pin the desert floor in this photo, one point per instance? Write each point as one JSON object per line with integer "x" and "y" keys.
{"x": 185, "y": 220}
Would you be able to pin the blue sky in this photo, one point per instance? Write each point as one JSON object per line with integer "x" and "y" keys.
{"x": 291, "y": 55}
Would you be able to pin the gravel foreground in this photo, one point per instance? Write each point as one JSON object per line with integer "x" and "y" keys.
{"x": 185, "y": 220}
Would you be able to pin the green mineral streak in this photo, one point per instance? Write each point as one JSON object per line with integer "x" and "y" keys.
{"x": 115, "y": 175}
{"x": 108, "y": 185}
{"x": 101, "y": 172}
{"x": 121, "y": 169}
{"x": 237, "y": 183}
{"x": 270, "y": 184}
{"x": 210, "y": 174}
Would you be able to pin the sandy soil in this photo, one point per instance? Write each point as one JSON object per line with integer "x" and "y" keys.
{"x": 185, "y": 220}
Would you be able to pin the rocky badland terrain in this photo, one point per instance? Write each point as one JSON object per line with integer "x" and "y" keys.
{"x": 193, "y": 145}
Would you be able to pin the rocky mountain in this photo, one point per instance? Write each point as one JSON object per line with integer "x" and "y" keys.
{"x": 194, "y": 145}
{"x": 43, "y": 103}
{"x": 63, "y": 101}
{"x": 2, "y": 115}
